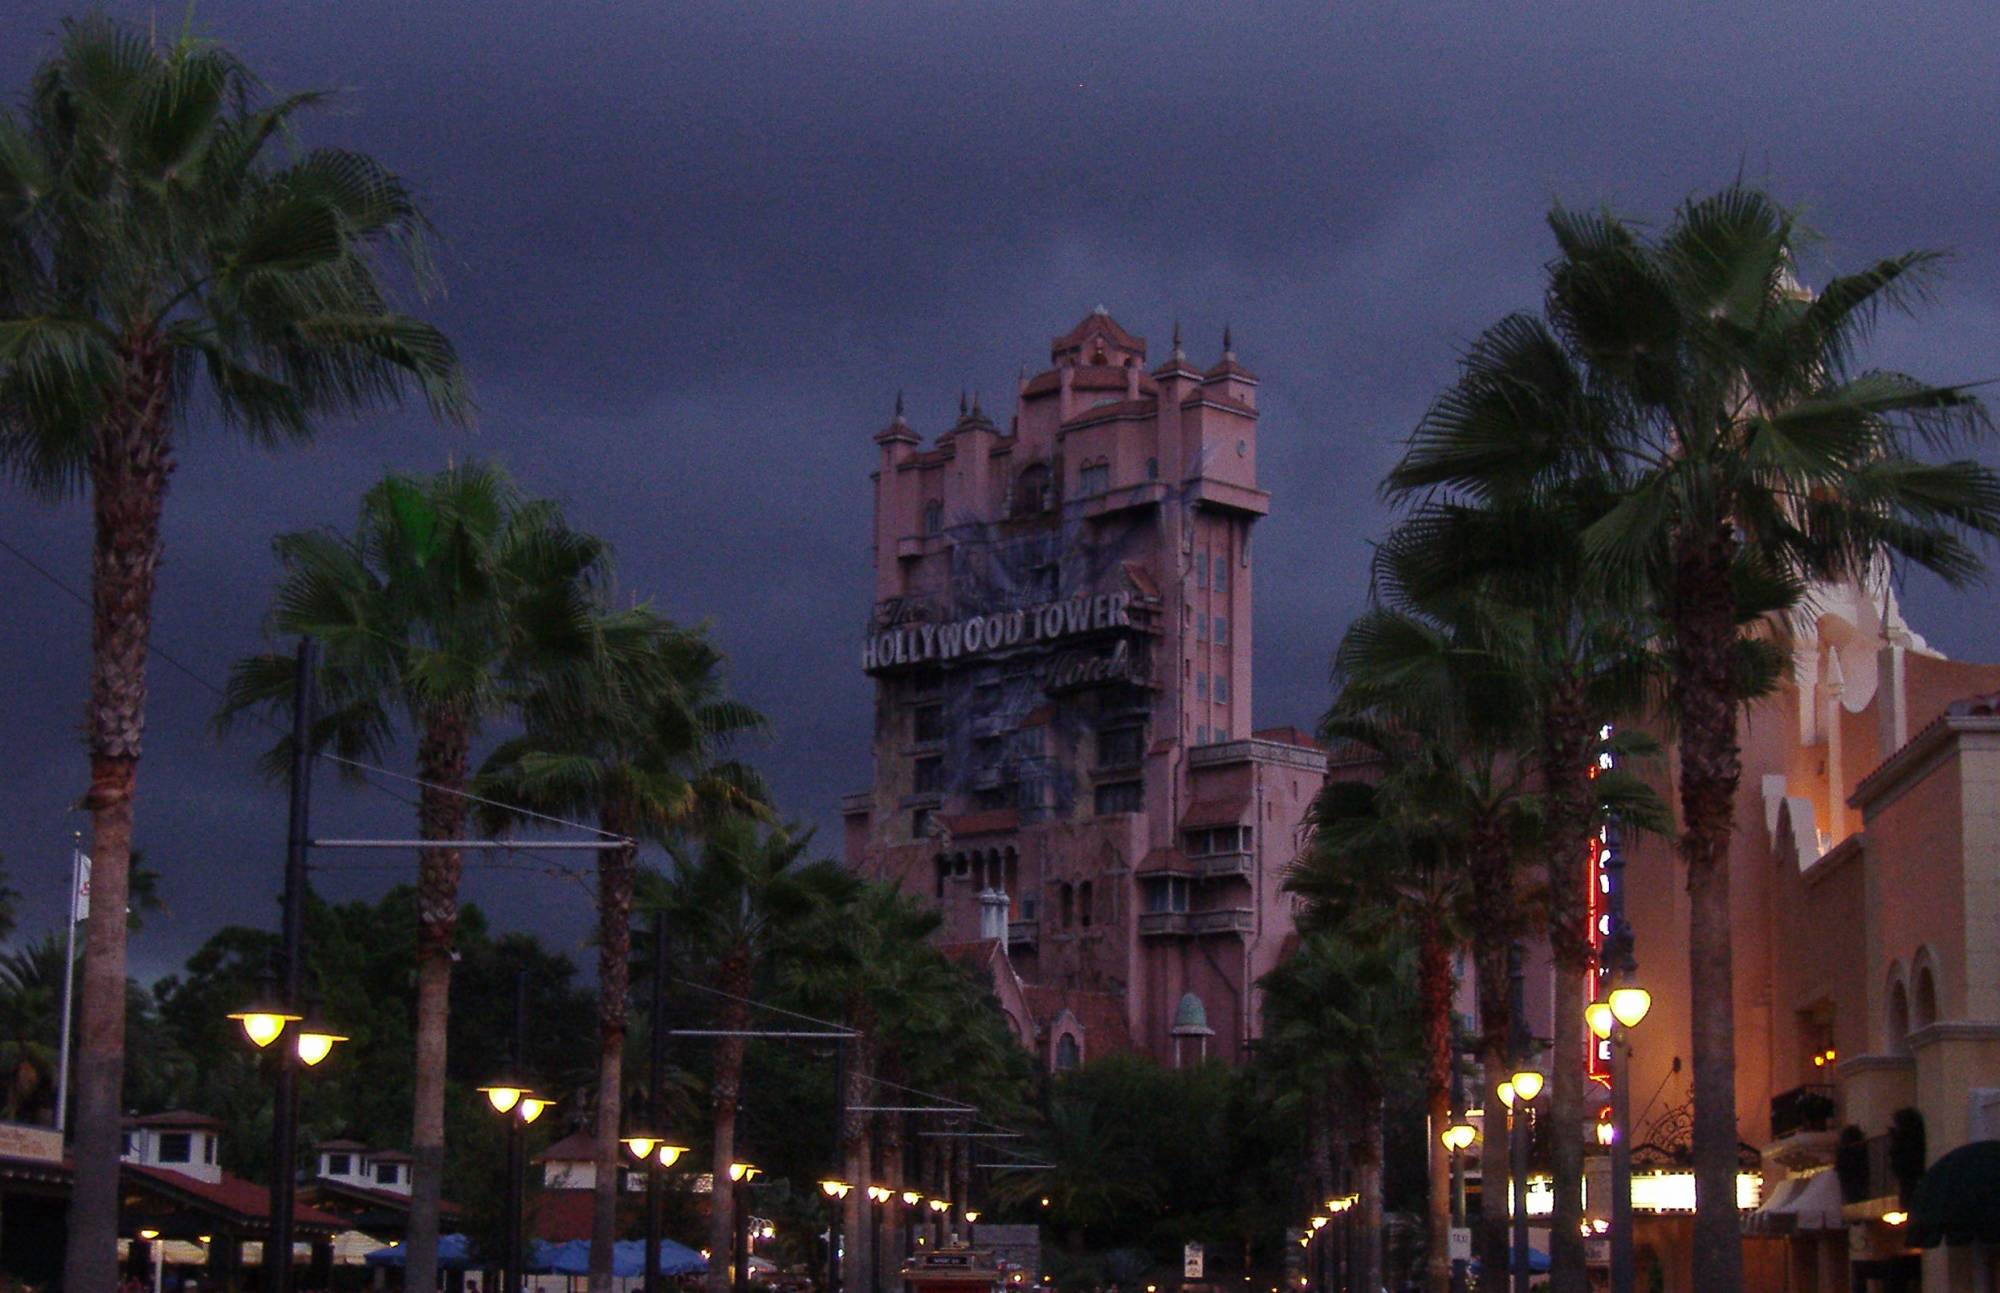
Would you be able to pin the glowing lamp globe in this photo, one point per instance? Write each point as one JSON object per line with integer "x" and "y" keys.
{"x": 671, "y": 1154}
{"x": 641, "y": 1146}
{"x": 1630, "y": 1005}
{"x": 911, "y": 1198}
{"x": 1319, "y": 1223}
{"x": 835, "y": 1189}
{"x": 940, "y": 1205}
{"x": 316, "y": 1043}
{"x": 1598, "y": 1015}
{"x": 971, "y": 1215}
{"x": 1458, "y": 1136}
{"x": 1895, "y": 1217}
{"x": 149, "y": 1235}
{"x": 262, "y": 1024}
{"x": 532, "y": 1107}
{"x": 1527, "y": 1085}
{"x": 1506, "y": 1093}
{"x": 879, "y": 1193}
{"x": 741, "y": 1171}
{"x": 503, "y": 1096}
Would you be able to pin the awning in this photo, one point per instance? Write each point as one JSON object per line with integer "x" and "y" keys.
{"x": 1958, "y": 1199}
{"x": 1800, "y": 1204}
{"x": 1225, "y": 811}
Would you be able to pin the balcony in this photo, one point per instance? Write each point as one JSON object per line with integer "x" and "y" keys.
{"x": 1805, "y": 1125}
{"x": 1223, "y": 866}
{"x": 1233, "y": 920}
{"x": 1024, "y": 933}
{"x": 1162, "y": 924}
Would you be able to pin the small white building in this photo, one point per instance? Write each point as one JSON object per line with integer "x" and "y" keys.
{"x": 352, "y": 1163}
{"x": 176, "y": 1141}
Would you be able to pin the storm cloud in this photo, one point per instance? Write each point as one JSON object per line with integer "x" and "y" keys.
{"x": 693, "y": 251}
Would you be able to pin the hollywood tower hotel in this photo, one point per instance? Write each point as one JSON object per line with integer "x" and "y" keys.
{"x": 1060, "y": 641}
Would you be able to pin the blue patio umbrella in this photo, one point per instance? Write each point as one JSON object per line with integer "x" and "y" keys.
{"x": 1538, "y": 1261}
{"x": 454, "y": 1253}
{"x": 628, "y": 1258}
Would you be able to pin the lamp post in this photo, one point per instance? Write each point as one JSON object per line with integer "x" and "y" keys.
{"x": 1518, "y": 1093}
{"x": 1625, "y": 1004}
{"x": 277, "y": 1010}
{"x": 511, "y": 1098}
{"x": 649, "y": 1147}
{"x": 740, "y": 1175}
{"x": 877, "y": 1196}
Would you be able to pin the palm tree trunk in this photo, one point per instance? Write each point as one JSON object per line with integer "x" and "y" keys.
{"x": 1496, "y": 1014}
{"x": 1434, "y": 996}
{"x": 131, "y": 458}
{"x": 889, "y": 1262}
{"x": 1369, "y": 1158}
{"x": 614, "y": 970}
{"x": 443, "y": 748}
{"x": 1566, "y": 781}
{"x": 733, "y": 977}
{"x": 1491, "y": 866}
{"x": 1704, "y": 701}
{"x": 857, "y": 1267}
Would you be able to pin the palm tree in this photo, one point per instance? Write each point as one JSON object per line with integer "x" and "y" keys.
{"x": 1337, "y": 1015}
{"x": 634, "y": 743}
{"x": 1385, "y": 863}
{"x": 865, "y": 957}
{"x": 156, "y": 259}
{"x": 728, "y": 900}
{"x": 1516, "y": 551}
{"x": 1429, "y": 688}
{"x": 453, "y": 598}
{"x": 1747, "y": 449}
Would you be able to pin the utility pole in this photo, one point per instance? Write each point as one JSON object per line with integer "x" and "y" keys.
{"x": 517, "y": 1141}
{"x": 285, "y": 1119}
{"x": 839, "y": 1163}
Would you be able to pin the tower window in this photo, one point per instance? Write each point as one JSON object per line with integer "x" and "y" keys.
{"x": 1201, "y": 686}
{"x": 920, "y": 824}
{"x": 1221, "y": 575}
{"x": 1068, "y": 1054}
{"x": 1083, "y": 904}
{"x": 1152, "y": 469}
{"x": 1222, "y": 630}
{"x": 339, "y": 1164}
{"x": 1120, "y": 797}
{"x": 928, "y": 776}
{"x": 1222, "y": 689}
{"x": 176, "y": 1147}
{"x": 933, "y": 517}
{"x": 1066, "y": 896}
{"x": 1201, "y": 626}
{"x": 1095, "y": 479}
{"x": 386, "y": 1173}
{"x": 1119, "y": 747}
{"x": 1201, "y": 570}
{"x": 927, "y": 723}
{"x": 1165, "y": 893}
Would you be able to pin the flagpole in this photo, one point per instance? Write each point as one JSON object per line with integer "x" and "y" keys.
{"x": 69, "y": 979}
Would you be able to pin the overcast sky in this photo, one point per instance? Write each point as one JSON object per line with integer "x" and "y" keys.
{"x": 692, "y": 252}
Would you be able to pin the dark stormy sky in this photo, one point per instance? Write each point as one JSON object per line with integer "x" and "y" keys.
{"x": 693, "y": 250}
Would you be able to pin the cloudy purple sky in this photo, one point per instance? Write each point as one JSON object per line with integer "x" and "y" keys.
{"x": 694, "y": 249}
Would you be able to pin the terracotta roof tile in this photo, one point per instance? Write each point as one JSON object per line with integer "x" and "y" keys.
{"x": 177, "y": 1120}
{"x": 242, "y": 1200}
{"x": 1225, "y": 811}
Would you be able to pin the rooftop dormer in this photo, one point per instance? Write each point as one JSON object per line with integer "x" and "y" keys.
{"x": 391, "y": 1168}
{"x": 1098, "y": 341}
{"x": 346, "y": 1161}
{"x": 176, "y": 1141}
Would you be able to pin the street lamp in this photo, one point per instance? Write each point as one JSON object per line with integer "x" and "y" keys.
{"x": 153, "y": 1247}
{"x": 517, "y": 1102}
{"x": 1459, "y": 1136}
{"x": 833, "y": 1189}
{"x": 315, "y": 1039}
{"x": 1527, "y": 1084}
{"x": 1629, "y": 1005}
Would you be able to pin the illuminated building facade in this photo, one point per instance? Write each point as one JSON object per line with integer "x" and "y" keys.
{"x": 1060, "y": 639}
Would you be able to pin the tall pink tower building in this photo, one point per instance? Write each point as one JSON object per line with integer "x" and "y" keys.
{"x": 1060, "y": 640}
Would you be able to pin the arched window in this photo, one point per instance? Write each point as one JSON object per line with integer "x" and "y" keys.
{"x": 1899, "y": 1017}
{"x": 1068, "y": 1054}
{"x": 1066, "y": 898}
{"x": 933, "y": 517}
{"x": 1084, "y": 904}
{"x": 943, "y": 870}
{"x": 1923, "y": 999}
{"x": 1031, "y": 490}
